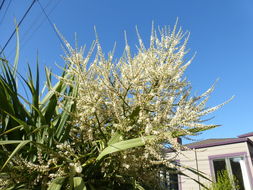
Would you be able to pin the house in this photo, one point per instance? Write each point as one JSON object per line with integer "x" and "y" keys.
{"x": 213, "y": 155}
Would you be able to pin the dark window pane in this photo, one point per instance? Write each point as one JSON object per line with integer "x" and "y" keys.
{"x": 237, "y": 171}
{"x": 173, "y": 180}
{"x": 169, "y": 179}
{"x": 219, "y": 166}
{"x": 164, "y": 178}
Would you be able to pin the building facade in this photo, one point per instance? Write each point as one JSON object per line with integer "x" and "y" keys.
{"x": 211, "y": 156}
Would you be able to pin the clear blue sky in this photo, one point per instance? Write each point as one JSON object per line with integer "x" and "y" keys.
{"x": 221, "y": 34}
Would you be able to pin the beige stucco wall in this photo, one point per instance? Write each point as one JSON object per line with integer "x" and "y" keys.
{"x": 250, "y": 161}
{"x": 250, "y": 137}
{"x": 188, "y": 158}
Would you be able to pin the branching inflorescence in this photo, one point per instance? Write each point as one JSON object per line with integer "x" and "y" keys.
{"x": 137, "y": 95}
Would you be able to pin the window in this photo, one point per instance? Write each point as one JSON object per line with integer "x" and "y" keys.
{"x": 235, "y": 166}
{"x": 169, "y": 179}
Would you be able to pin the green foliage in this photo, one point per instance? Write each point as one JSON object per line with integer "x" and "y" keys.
{"x": 34, "y": 126}
{"x": 224, "y": 182}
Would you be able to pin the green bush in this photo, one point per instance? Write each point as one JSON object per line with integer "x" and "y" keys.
{"x": 224, "y": 182}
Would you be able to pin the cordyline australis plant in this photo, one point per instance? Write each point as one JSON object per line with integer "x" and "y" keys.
{"x": 109, "y": 120}
{"x": 143, "y": 96}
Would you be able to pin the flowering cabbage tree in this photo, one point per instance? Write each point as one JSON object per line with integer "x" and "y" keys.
{"x": 137, "y": 103}
{"x": 124, "y": 112}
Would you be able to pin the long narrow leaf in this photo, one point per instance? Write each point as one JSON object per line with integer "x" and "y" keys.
{"x": 23, "y": 123}
{"x": 20, "y": 145}
{"x": 123, "y": 145}
{"x": 17, "y": 53}
{"x": 115, "y": 138}
{"x": 12, "y": 129}
{"x": 9, "y": 142}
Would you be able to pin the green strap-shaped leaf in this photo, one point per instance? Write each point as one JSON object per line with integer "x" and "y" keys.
{"x": 115, "y": 138}
{"x": 12, "y": 129}
{"x": 51, "y": 93}
{"x": 79, "y": 183}
{"x": 123, "y": 145}
{"x": 57, "y": 183}
{"x": 10, "y": 142}
{"x": 17, "y": 53}
{"x": 21, "y": 144}
{"x": 21, "y": 122}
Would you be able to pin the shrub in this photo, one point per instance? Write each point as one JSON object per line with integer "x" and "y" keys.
{"x": 224, "y": 182}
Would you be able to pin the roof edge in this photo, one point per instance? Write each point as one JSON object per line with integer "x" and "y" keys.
{"x": 225, "y": 142}
{"x": 246, "y": 135}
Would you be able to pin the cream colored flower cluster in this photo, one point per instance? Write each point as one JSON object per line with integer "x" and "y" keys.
{"x": 142, "y": 93}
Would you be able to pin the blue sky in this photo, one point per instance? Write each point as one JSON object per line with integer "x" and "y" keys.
{"x": 221, "y": 35}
